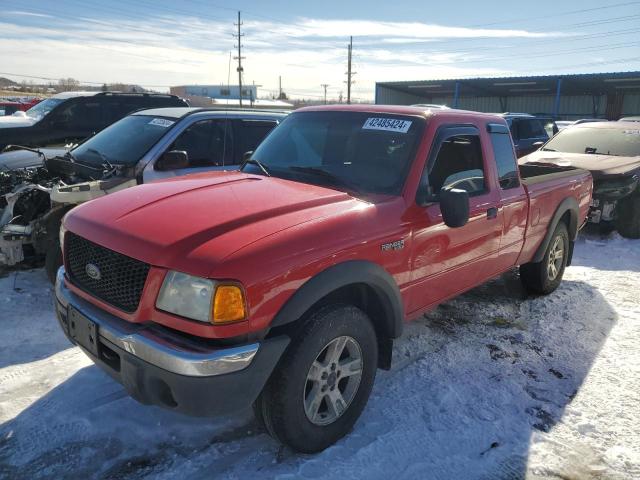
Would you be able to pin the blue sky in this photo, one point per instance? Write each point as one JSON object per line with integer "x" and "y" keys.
{"x": 157, "y": 43}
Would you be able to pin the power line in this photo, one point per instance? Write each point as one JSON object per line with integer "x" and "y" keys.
{"x": 555, "y": 15}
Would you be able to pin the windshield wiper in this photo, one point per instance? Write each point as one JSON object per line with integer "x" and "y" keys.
{"x": 257, "y": 163}
{"x": 328, "y": 175}
{"x": 548, "y": 149}
{"x": 102, "y": 156}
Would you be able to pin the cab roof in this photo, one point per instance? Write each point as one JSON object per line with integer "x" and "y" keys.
{"x": 180, "y": 112}
{"x": 401, "y": 110}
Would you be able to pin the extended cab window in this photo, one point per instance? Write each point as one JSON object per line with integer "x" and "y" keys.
{"x": 458, "y": 164}
{"x": 505, "y": 159}
{"x": 207, "y": 143}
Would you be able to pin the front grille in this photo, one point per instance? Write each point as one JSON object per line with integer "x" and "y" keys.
{"x": 120, "y": 280}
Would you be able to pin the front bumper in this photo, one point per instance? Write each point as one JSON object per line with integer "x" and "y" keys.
{"x": 160, "y": 367}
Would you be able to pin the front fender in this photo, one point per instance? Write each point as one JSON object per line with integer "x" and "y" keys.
{"x": 351, "y": 272}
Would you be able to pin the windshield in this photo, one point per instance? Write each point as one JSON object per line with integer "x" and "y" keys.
{"x": 606, "y": 141}
{"x": 40, "y": 110}
{"x": 360, "y": 152}
{"x": 124, "y": 142}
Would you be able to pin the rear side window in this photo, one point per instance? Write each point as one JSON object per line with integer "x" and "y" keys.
{"x": 250, "y": 133}
{"x": 532, "y": 128}
{"x": 459, "y": 164}
{"x": 505, "y": 160}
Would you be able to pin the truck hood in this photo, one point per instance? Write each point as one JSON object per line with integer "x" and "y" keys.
{"x": 11, "y": 121}
{"x": 193, "y": 223}
{"x": 599, "y": 165}
{"x": 17, "y": 159}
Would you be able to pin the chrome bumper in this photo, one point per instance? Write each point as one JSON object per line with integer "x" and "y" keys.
{"x": 159, "y": 348}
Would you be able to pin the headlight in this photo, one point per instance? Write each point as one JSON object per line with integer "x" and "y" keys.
{"x": 201, "y": 299}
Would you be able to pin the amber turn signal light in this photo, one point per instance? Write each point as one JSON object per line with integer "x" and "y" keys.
{"x": 228, "y": 304}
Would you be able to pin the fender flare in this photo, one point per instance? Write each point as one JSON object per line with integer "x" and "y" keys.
{"x": 570, "y": 205}
{"x": 341, "y": 275}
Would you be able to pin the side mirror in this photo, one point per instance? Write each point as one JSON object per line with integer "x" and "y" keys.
{"x": 454, "y": 205}
{"x": 247, "y": 155}
{"x": 173, "y": 160}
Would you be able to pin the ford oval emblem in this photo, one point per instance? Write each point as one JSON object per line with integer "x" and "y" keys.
{"x": 93, "y": 271}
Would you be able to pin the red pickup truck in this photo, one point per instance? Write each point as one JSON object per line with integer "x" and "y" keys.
{"x": 283, "y": 285}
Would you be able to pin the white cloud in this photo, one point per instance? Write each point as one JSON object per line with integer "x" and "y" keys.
{"x": 178, "y": 50}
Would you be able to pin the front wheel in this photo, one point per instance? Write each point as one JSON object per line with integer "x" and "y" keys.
{"x": 53, "y": 261}
{"x": 323, "y": 381}
{"x": 545, "y": 276}
{"x": 628, "y": 215}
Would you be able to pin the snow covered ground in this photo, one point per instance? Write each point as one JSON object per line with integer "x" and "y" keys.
{"x": 492, "y": 385}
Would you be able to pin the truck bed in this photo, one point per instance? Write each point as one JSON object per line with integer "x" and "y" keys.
{"x": 532, "y": 173}
{"x": 547, "y": 187}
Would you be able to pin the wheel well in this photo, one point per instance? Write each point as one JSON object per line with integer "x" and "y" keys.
{"x": 366, "y": 299}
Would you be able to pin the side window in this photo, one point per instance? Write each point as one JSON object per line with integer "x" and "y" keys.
{"x": 505, "y": 160}
{"x": 118, "y": 107}
{"x": 250, "y": 133}
{"x": 531, "y": 129}
{"x": 81, "y": 115}
{"x": 458, "y": 164}
{"x": 207, "y": 143}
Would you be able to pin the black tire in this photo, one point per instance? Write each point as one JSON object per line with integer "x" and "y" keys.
{"x": 53, "y": 261}
{"x": 628, "y": 216}
{"x": 282, "y": 402}
{"x": 537, "y": 277}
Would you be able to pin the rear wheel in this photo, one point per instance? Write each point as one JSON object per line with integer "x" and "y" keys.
{"x": 323, "y": 381}
{"x": 545, "y": 276}
{"x": 628, "y": 216}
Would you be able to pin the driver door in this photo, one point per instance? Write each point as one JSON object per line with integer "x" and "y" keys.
{"x": 446, "y": 261}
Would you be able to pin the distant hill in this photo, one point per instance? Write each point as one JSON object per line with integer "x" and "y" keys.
{"x": 5, "y": 82}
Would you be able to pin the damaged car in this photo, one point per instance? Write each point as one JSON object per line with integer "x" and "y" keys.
{"x": 142, "y": 147}
{"x": 611, "y": 151}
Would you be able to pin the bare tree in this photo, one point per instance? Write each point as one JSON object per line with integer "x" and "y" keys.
{"x": 68, "y": 84}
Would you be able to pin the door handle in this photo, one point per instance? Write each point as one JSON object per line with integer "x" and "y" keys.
{"x": 492, "y": 213}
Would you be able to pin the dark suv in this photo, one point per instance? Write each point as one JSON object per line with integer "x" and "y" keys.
{"x": 73, "y": 116}
{"x": 528, "y": 132}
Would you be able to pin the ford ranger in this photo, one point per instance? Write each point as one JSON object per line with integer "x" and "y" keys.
{"x": 284, "y": 284}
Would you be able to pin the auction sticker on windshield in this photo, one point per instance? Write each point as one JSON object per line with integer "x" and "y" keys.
{"x": 161, "y": 122}
{"x": 387, "y": 124}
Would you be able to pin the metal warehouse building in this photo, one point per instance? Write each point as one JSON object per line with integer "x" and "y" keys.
{"x": 597, "y": 95}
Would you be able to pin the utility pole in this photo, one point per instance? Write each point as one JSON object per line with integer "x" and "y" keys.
{"x": 239, "y": 57}
{"x": 325, "y": 85}
{"x": 279, "y": 87}
{"x": 349, "y": 72}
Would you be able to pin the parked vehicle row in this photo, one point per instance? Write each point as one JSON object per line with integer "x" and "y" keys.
{"x": 142, "y": 147}
{"x": 283, "y": 285}
{"x": 9, "y": 106}
{"x": 611, "y": 152}
{"x": 71, "y": 117}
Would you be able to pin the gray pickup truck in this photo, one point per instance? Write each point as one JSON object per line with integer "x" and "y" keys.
{"x": 144, "y": 146}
